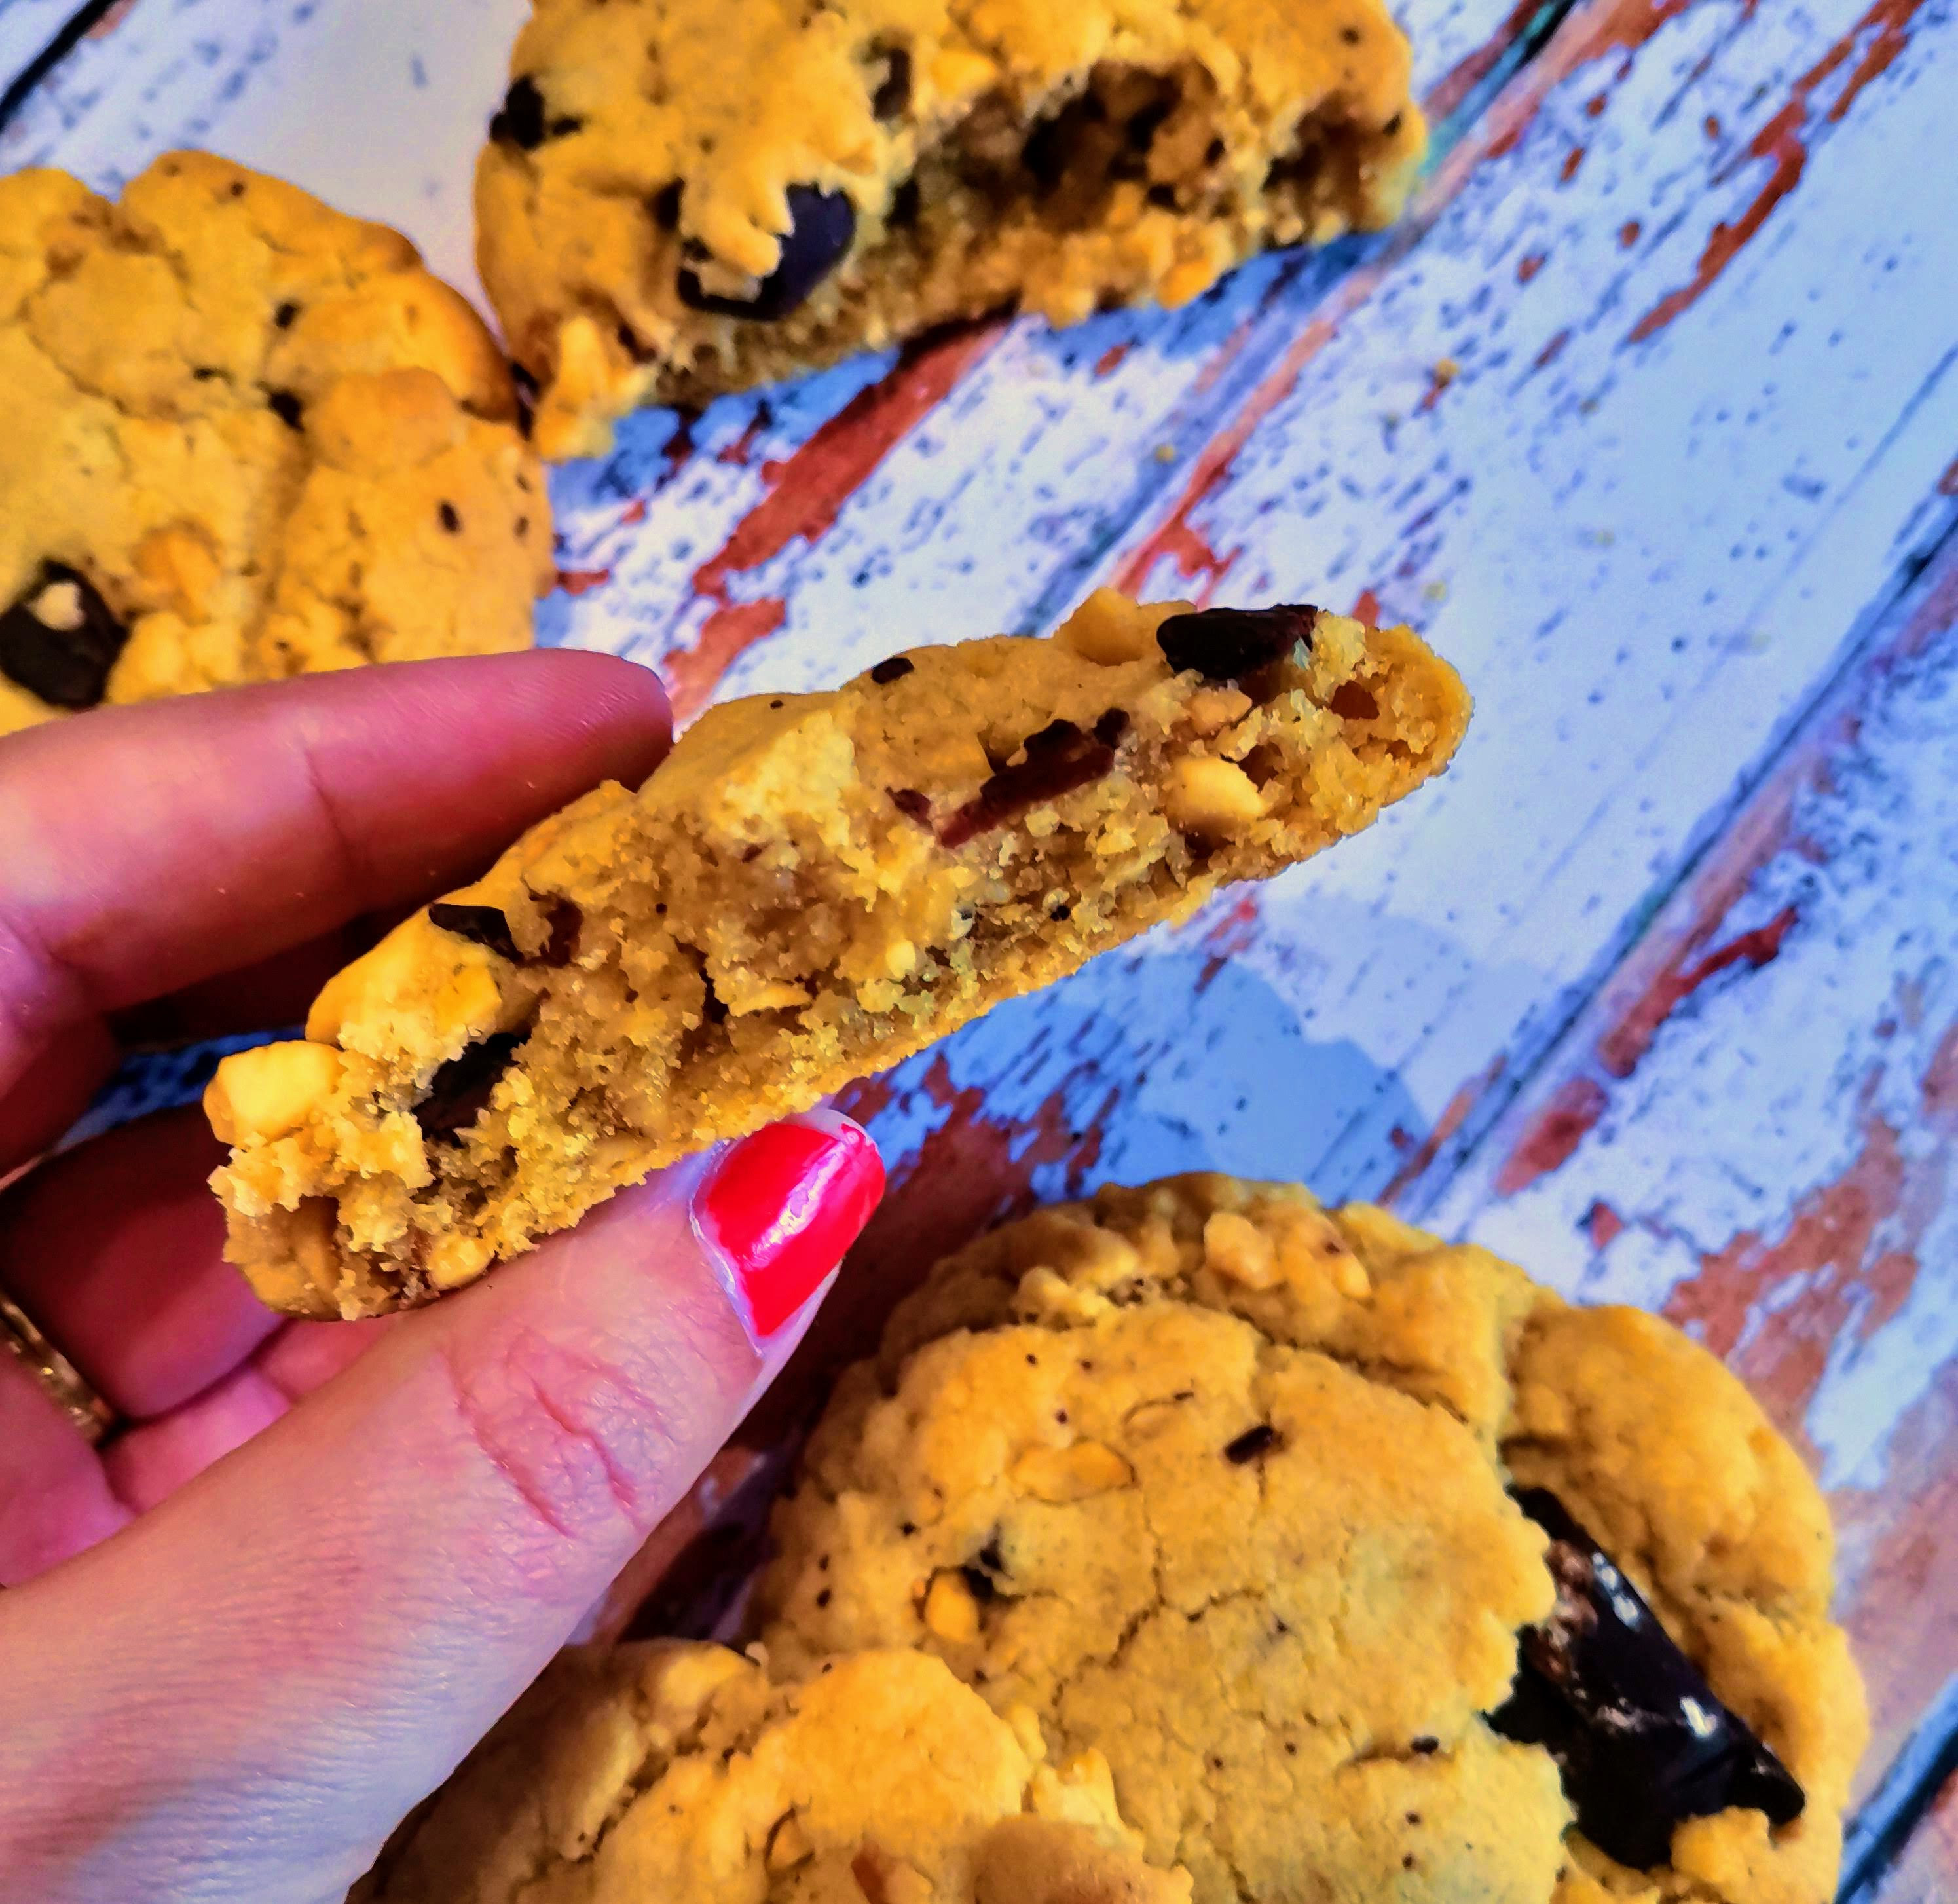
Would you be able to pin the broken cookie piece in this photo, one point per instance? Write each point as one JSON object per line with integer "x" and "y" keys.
{"x": 680, "y": 198}
{"x": 809, "y": 888}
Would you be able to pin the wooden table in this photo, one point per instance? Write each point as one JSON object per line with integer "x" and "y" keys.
{"x": 1648, "y": 417}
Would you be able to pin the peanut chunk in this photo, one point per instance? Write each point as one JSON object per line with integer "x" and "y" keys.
{"x": 951, "y": 1609}
{"x": 1236, "y": 1248}
{"x": 1211, "y": 797}
{"x": 268, "y": 1092}
{"x": 1058, "y": 1475}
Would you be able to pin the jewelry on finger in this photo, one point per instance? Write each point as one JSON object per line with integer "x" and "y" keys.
{"x": 59, "y": 1378}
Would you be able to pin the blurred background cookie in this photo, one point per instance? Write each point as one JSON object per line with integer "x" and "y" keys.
{"x": 247, "y": 437}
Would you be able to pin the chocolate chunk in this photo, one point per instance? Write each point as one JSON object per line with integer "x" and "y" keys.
{"x": 451, "y": 520}
{"x": 1640, "y": 1738}
{"x": 61, "y": 638}
{"x": 1060, "y": 757}
{"x": 666, "y": 206}
{"x": 904, "y": 204}
{"x": 286, "y": 406}
{"x": 824, "y": 225}
{"x": 483, "y": 925}
{"x": 521, "y": 121}
{"x": 1222, "y": 644}
{"x": 284, "y": 315}
{"x": 459, "y": 1093}
{"x": 1113, "y": 725}
{"x": 912, "y": 804}
{"x": 566, "y": 919}
{"x": 1252, "y": 1443}
{"x": 893, "y": 669}
{"x": 1142, "y": 126}
{"x": 894, "y": 89}
{"x": 1351, "y": 701}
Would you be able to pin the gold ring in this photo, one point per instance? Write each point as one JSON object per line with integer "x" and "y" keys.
{"x": 60, "y": 1379}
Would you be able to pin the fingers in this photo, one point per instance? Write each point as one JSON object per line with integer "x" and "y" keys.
{"x": 116, "y": 1250}
{"x": 354, "y": 1595}
{"x": 143, "y": 849}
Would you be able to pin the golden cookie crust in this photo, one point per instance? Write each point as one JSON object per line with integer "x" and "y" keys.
{"x": 667, "y": 1770}
{"x": 265, "y": 437}
{"x": 810, "y": 887}
{"x": 906, "y": 163}
{"x": 1214, "y": 1481}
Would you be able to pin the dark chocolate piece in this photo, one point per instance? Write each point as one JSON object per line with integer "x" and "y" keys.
{"x": 521, "y": 121}
{"x": 566, "y": 919}
{"x": 1060, "y": 757}
{"x": 1351, "y": 701}
{"x": 1222, "y": 644}
{"x": 1252, "y": 1443}
{"x": 450, "y": 517}
{"x": 459, "y": 1093}
{"x": 483, "y": 925}
{"x": 666, "y": 206}
{"x": 824, "y": 223}
{"x": 894, "y": 91}
{"x": 284, "y": 315}
{"x": 61, "y": 638}
{"x": 895, "y": 668}
{"x": 913, "y": 804}
{"x": 1113, "y": 725}
{"x": 1640, "y": 1738}
{"x": 286, "y": 406}
{"x": 905, "y": 202}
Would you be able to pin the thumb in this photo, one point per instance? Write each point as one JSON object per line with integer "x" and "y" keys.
{"x": 241, "y": 1694}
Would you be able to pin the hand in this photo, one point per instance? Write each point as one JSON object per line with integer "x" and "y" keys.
{"x": 242, "y": 1640}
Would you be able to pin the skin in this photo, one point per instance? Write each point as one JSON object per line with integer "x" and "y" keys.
{"x": 244, "y": 1639}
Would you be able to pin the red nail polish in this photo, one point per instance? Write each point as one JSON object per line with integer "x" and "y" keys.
{"x": 782, "y": 1207}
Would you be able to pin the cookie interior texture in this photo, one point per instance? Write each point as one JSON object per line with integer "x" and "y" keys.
{"x": 682, "y": 197}
{"x": 660, "y": 1771}
{"x": 1219, "y": 1484}
{"x": 247, "y": 437}
{"x": 810, "y": 887}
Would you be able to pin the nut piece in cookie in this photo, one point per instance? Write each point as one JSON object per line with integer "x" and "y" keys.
{"x": 810, "y": 887}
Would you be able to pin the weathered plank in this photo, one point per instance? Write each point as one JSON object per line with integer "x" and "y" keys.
{"x": 1755, "y": 1128}
{"x": 1927, "y": 1871}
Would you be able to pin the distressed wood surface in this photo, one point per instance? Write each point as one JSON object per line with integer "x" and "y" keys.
{"x": 1648, "y": 416}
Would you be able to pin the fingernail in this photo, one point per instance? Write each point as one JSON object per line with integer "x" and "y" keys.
{"x": 780, "y": 1209}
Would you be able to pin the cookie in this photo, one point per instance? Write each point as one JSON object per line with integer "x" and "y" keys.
{"x": 810, "y": 887}
{"x": 662, "y": 1770}
{"x": 1373, "y": 1568}
{"x": 247, "y": 437}
{"x": 680, "y": 197}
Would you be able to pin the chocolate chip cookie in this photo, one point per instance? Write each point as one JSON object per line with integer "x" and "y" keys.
{"x": 1373, "y": 1568}
{"x": 247, "y": 437}
{"x": 682, "y": 197}
{"x": 661, "y": 1771}
{"x": 810, "y": 887}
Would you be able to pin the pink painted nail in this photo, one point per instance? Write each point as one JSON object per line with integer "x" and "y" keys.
{"x": 782, "y": 1207}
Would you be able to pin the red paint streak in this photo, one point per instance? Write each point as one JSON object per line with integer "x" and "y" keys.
{"x": 1552, "y": 350}
{"x": 808, "y": 489}
{"x": 1628, "y": 232}
{"x": 1603, "y": 1225}
{"x": 1780, "y": 141}
{"x": 1454, "y": 1114}
{"x": 633, "y": 513}
{"x": 807, "y": 493}
{"x": 1553, "y": 1134}
{"x": 1529, "y": 264}
{"x": 691, "y": 674}
{"x": 1467, "y": 74}
{"x": 1367, "y": 608}
{"x": 1710, "y": 125}
{"x": 1947, "y": 484}
{"x": 577, "y": 582}
{"x": 1229, "y": 937}
{"x": 1110, "y": 361}
{"x": 1572, "y": 160}
{"x": 1437, "y": 381}
{"x": 1176, "y": 538}
{"x": 1825, "y": 1268}
{"x": 1621, "y": 1049}
{"x": 1593, "y": 106}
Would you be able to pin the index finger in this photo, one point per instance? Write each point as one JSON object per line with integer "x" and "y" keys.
{"x": 143, "y": 849}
